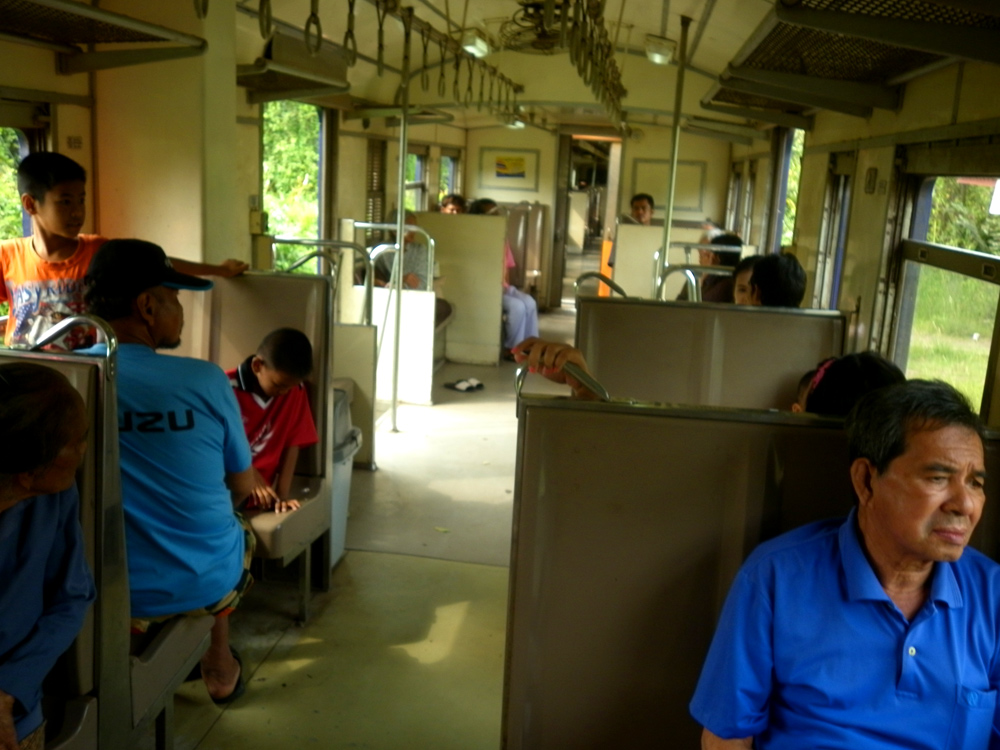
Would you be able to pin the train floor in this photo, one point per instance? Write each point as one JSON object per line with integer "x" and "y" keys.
{"x": 406, "y": 649}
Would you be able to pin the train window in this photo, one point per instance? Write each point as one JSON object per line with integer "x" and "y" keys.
{"x": 733, "y": 203}
{"x": 949, "y": 295}
{"x": 833, "y": 230}
{"x": 796, "y": 144}
{"x": 375, "y": 195}
{"x": 449, "y": 178}
{"x": 14, "y": 221}
{"x": 750, "y": 185}
{"x": 291, "y": 165}
{"x": 416, "y": 181}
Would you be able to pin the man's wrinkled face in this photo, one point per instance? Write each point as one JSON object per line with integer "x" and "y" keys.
{"x": 925, "y": 505}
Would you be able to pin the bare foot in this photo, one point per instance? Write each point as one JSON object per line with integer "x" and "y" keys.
{"x": 221, "y": 673}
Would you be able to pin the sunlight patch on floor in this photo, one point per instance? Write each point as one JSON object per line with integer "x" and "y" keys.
{"x": 441, "y": 638}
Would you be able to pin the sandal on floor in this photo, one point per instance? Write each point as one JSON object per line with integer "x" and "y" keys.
{"x": 241, "y": 686}
{"x": 463, "y": 386}
{"x": 475, "y": 383}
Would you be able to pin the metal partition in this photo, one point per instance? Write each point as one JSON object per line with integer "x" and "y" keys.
{"x": 629, "y": 524}
{"x": 98, "y": 664}
{"x": 705, "y": 354}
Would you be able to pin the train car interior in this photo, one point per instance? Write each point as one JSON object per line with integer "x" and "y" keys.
{"x": 482, "y": 560}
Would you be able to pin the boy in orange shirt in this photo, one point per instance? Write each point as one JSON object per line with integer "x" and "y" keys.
{"x": 42, "y": 275}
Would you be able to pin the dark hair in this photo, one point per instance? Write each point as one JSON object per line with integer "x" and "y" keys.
{"x": 780, "y": 279}
{"x": 34, "y": 403}
{"x": 878, "y": 426}
{"x": 838, "y": 384}
{"x": 287, "y": 350}
{"x": 642, "y": 197}
{"x": 454, "y": 199}
{"x": 482, "y": 206}
{"x": 746, "y": 264}
{"x": 727, "y": 257}
{"x": 38, "y": 173}
{"x": 805, "y": 385}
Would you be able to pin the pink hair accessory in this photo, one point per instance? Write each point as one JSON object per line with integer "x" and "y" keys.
{"x": 820, "y": 372}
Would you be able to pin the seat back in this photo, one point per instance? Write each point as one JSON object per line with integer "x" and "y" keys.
{"x": 246, "y": 308}
{"x": 621, "y": 561}
{"x": 705, "y": 354}
{"x": 97, "y": 662}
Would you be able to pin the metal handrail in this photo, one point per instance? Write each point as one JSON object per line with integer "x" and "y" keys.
{"x": 598, "y": 275}
{"x": 585, "y": 378}
{"x": 310, "y": 256}
{"x": 408, "y": 228}
{"x": 692, "y": 272}
{"x": 359, "y": 250}
{"x": 67, "y": 324}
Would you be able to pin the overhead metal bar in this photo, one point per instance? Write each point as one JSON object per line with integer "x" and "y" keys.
{"x": 784, "y": 119}
{"x": 986, "y": 7}
{"x": 718, "y": 135}
{"x": 753, "y": 41}
{"x": 854, "y": 92}
{"x": 420, "y": 117}
{"x": 32, "y": 42}
{"x": 966, "y": 42}
{"x": 90, "y": 61}
{"x": 727, "y": 127}
{"x": 706, "y": 15}
{"x": 923, "y": 70}
{"x": 37, "y": 95}
{"x": 807, "y": 98}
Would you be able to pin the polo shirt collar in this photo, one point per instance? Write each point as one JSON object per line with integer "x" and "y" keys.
{"x": 245, "y": 376}
{"x": 862, "y": 583}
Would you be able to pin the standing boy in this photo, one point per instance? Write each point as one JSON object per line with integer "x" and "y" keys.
{"x": 276, "y": 415}
{"x": 42, "y": 275}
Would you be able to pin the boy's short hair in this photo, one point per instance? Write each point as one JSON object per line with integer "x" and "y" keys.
{"x": 454, "y": 199}
{"x": 746, "y": 264}
{"x": 287, "y": 350}
{"x": 727, "y": 257}
{"x": 483, "y": 206}
{"x": 780, "y": 279}
{"x": 38, "y": 173}
{"x": 642, "y": 197}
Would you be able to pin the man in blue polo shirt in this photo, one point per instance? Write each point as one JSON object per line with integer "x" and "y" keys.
{"x": 185, "y": 461}
{"x": 881, "y": 631}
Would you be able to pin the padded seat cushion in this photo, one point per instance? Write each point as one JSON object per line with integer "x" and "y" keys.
{"x": 282, "y": 534}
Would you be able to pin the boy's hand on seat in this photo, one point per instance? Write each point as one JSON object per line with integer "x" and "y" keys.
{"x": 285, "y": 506}
{"x": 231, "y": 267}
{"x": 547, "y": 358}
{"x": 262, "y": 496}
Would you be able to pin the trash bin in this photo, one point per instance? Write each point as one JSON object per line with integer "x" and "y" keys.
{"x": 346, "y": 442}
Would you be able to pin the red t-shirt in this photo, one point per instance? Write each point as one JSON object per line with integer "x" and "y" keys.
{"x": 42, "y": 293}
{"x": 272, "y": 425}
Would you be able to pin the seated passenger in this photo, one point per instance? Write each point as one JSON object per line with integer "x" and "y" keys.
{"x": 519, "y": 308}
{"x": 741, "y": 280}
{"x": 275, "y": 407}
{"x": 880, "y": 630}
{"x": 414, "y": 258}
{"x": 453, "y": 204}
{"x": 641, "y": 208}
{"x": 185, "y": 461}
{"x": 717, "y": 287}
{"x": 777, "y": 281}
{"x": 837, "y": 384}
{"x": 45, "y": 584}
{"x": 41, "y": 276}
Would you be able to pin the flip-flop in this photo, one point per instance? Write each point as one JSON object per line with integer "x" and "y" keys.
{"x": 241, "y": 686}
{"x": 463, "y": 386}
{"x": 475, "y": 383}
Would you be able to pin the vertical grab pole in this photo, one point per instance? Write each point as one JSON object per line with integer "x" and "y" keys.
{"x": 674, "y": 150}
{"x": 404, "y": 87}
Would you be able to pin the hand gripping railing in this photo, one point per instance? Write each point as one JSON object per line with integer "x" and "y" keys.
{"x": 358, "y": 250}
{"x": 585, "y": 378}
{"x": 60, "y": 329}
{"x": 597, "y": 275}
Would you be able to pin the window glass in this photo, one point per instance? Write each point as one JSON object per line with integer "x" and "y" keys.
{"x": 13, "y": 222}
{"x": 448, "y": 178}
{"x": 416, "y": 182}
{"x": 950, "y": 316}
{"x": 291, "y": 176}
{"x": 792, "y": 189}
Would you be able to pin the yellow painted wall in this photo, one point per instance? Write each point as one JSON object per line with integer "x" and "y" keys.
{"x": 809, "y": 216}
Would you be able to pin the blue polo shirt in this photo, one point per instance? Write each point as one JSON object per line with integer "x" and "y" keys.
{"x": 810, "y": 652}
{"x": 180, "y": 433}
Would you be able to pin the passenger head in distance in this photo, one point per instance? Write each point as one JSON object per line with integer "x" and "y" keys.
{"x": 47, "y": 585}
{"x": 778, "y": 281}
{"x": 741, "y": 279}
{"x": 133, "y": 286}
{"x": 730, "y": 246}
{"x": 453, "y": 203}
{"x": 484, "y": 207}
{"x": 283, "y": 360}
{"x": 641, "y": 208}
{"x": 837, "y": 384}
{"x": 53, "y": 193}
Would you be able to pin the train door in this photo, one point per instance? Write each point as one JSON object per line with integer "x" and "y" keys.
{"x": 949, "y": 275}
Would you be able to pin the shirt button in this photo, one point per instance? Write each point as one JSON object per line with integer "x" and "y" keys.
{"x": 911, "y": 651}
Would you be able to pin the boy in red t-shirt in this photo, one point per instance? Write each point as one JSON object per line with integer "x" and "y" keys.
{"x": 276, "y": 415}
{"x": 41, "y": 276}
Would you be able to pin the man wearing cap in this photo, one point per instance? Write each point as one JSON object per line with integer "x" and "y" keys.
{"x": 185, "y": 461}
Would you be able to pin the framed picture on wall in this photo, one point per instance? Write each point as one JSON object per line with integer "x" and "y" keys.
{"x": 508, "y": 169}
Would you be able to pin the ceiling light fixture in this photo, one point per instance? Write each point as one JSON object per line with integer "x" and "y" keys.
{"x": 475, "y": 43}
{"x": 660, "y": 50}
